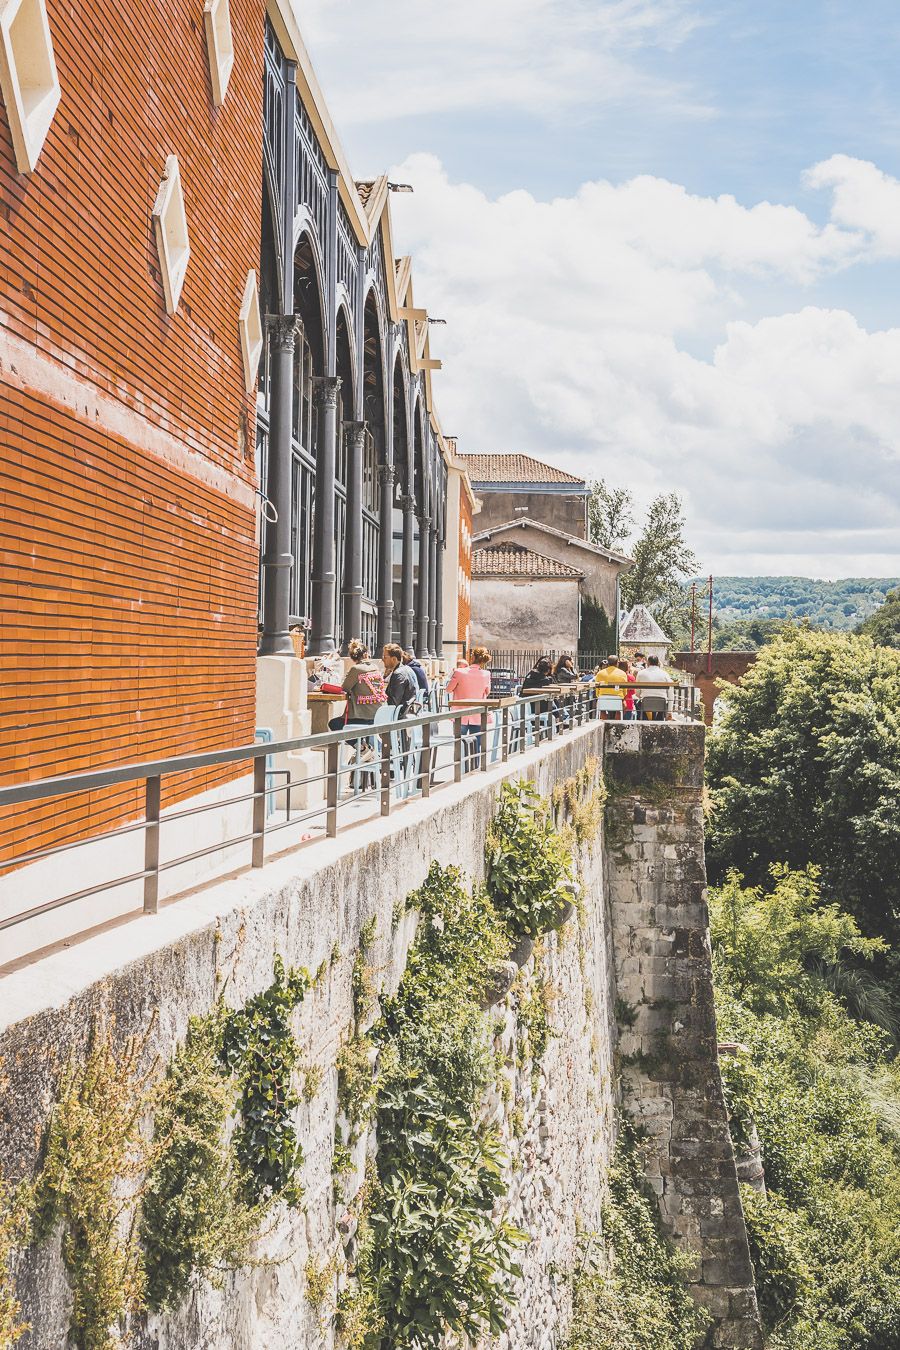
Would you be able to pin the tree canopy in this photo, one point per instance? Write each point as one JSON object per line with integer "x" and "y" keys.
{"x": 883, "y": 627}
{"x": 804, "y": 767}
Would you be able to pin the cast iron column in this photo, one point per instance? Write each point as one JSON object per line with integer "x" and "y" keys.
{"x": 386, "y": 555}
{"x": 277, "y": 559}
{"x": 422, "y": 589}
{"x": 432, "y": 589}
{"x": 406, "y": 575}
{"x": 323, "y": 573}
{"x": 439, "y": 603}
{"x": 351, "y": 615}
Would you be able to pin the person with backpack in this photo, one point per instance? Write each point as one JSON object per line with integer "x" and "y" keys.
{"x": 366, "y": 692}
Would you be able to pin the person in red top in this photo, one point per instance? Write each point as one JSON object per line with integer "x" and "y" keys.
{"x": 471, "y": 681}
{"x": 628, "y": 705}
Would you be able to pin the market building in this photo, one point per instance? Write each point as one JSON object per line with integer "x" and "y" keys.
{"x": 216, "y": 398}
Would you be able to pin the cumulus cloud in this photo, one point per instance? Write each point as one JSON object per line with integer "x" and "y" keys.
{"x": 536, "y": 56}
{"x": 574, "y": 329}
{"x": 863, "y": 198}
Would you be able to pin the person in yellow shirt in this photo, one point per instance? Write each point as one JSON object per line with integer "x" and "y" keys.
{"x": 610, "y": 681}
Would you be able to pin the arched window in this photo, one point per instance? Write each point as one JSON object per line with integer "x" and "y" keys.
{"x": 309, "y": 362}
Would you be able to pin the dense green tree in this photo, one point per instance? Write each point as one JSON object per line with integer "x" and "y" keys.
{"x": 804, "y": 767}
{"x": 662, "y": 560}
{"x": 823, "y": 1095}
{"x": 827, "y": 604}
{"x": 610, "y": 516}
{"x": 883, "y": 627}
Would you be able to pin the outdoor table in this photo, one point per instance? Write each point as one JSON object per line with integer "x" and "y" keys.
{"x": 323, "y": 708}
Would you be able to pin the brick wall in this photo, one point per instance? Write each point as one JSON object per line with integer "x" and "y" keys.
{"x": 129, "y": 569}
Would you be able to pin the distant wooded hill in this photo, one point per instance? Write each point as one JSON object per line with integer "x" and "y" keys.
{"x": 828, "y": 604}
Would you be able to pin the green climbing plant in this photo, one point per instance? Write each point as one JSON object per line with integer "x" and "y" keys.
{"x": 16, "y": 1204}
{"x": 195, "y": 1219}
{"x": 434, "y": 1259}
{"x": 629, "y": 1288}
{"x": 530, "y": 871}
{"x": 259, "y": 1048}
{"x": 94, "y": 1158}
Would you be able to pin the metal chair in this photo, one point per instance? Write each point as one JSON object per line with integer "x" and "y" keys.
{"x": 383, "y": 714}
{"x": 654, "y": 705}
{"x": 611, "y": 703}
{"x": 265, "y": 736}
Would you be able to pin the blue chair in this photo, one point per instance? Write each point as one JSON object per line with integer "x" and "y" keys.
{"x": 265, "y": 736}
{"x": 383, "y": 714}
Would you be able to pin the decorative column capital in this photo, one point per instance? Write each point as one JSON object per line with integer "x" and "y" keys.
{"x": 326, "y": 389}
{"x": 354, "y": 432}
{"x": 424, "y": 519}
{"x": 386, "y": 474}
{"x": 408, "y": 503}
{"x": 284, "y": 329}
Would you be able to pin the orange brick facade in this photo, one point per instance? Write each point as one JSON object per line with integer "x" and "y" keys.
{"x": 128, "y": 576}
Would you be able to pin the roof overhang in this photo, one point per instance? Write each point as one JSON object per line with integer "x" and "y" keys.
{"x": 619, "y": 559}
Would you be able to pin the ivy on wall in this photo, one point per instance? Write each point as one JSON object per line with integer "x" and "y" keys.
{"x": 629, "y": 1290}
{"x": 530, "y": 871}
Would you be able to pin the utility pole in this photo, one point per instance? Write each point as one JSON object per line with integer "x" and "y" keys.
{"x": 709, "y": 639}
{"x": 693, "y": 616}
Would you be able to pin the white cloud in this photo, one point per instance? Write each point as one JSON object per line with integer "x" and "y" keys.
{"x": 569, "y": 324}
{"x": 863, "y": 198}
{"x": 537, "y": 56}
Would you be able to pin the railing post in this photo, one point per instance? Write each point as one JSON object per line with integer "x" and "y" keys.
{"x": 425, "y": 762}
{"x": 484, "y": 740}
{"x": 457, "y": 749}
{"x": 152, "y": 799}
{"x": 504, "y": 734}
{"x": 551, "y": 729}
{"x": 332, "y": 755}
{"x": 260, "y": 810}
{"x": 386, "y": 773}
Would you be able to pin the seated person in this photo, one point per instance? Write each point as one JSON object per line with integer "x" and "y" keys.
{"x": 653, "y": 673}
{"x": 402, "y": 685}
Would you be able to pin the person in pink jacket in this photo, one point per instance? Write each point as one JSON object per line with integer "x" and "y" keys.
{"x": 471, "y": 681}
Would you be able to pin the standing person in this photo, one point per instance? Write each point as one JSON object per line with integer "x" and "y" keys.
{"x": 653, "y": 673}
{"x": 402, "y": 686}
{"x": 365, "y": 689}
{"x": 409, "y": 659}
{"x": 471, "y": 680}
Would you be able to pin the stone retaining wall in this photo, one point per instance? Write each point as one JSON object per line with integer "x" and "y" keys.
{"x": 558, "y": 1115}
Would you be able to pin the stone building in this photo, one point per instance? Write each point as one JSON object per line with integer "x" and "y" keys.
{"x": 540, "y": 510}
{"x": 216, "y": 393}
{"x": 523, "y": 599}
{"x": 641, "y": 633}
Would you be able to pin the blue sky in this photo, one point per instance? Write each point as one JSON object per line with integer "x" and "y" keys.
{"x": 666, "y": 237}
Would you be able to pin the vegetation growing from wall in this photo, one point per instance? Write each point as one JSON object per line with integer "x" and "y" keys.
{"x": 823, "y": 1090}
{"x": 94, "y": 1156}
{"x": 259, "y": 1048}
{"x": 436, "y": 1260}
{"x": 15, "y": 1218}
{"x": 530, "y": 872}
{"x": 196, "y": 1220}
{"x": 629, "y": 1291}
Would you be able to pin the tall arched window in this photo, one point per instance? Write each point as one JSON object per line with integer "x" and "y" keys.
{"x": 309, "y": 362}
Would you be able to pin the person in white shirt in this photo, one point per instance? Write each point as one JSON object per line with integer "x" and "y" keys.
{"x": 653, "y": 673}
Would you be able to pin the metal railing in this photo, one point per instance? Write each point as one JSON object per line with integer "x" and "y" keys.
{"x": 413, "y": 756}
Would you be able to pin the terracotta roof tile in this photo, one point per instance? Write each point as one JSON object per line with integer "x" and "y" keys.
{"x": 515, "y": 469}
{"x": 512, "y": 560}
